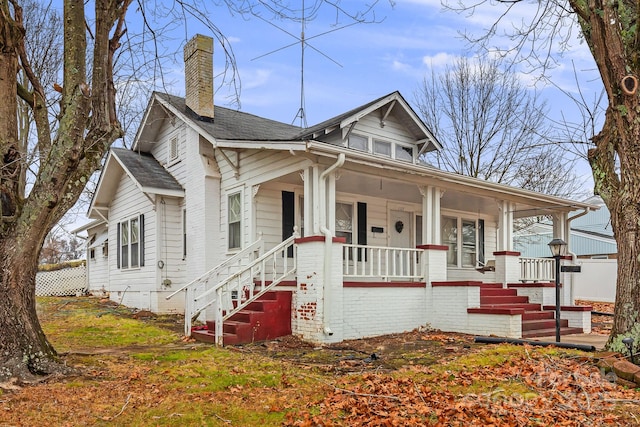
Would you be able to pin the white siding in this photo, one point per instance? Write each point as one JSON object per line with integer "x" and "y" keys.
{"x": 134, "y": 283}
{"x": 98, "y": 266}
{"x": 170, "y": 243}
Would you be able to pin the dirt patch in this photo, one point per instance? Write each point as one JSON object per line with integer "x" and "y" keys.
{"x": 384, "y": 353}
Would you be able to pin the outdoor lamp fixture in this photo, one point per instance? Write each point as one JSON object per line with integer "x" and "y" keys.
{"x": 628, "y": 342}
{"x": 558, "y": 249}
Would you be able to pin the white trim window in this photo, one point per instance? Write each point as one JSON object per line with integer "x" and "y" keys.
{"x": 131, "y": 243}
{"x": 461, "y": 236}
{"x": 382, "y": 148}
{"x": 404, "y": 152}
{"x": 344, "y": 221}
{"x": 358, "y": 142}
{"x": 234, "y": 220}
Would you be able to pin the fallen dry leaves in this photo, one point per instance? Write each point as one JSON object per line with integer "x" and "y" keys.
{"x": 562, "y": 392}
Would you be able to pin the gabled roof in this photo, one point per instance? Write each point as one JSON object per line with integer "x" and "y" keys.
{"x": 149, "y": 175}
{"x": 228, "y": 124}
{"x": 145, "y": 171}
{"x": 388, "y": 103}
{"x": 233, "y": 125}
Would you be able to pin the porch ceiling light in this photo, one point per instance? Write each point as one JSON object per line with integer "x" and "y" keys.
{"x": 558, "y": 247}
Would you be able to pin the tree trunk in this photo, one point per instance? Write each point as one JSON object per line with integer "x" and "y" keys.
{"x": 86, "y": 127}
{"x": 615, "y": 160}
{"x": 24, "y": 348}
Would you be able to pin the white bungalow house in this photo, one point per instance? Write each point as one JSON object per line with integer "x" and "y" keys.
{"x": 332, "y": 232}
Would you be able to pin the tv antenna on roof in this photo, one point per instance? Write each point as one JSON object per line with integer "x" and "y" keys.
{"x": 304, "y": 44}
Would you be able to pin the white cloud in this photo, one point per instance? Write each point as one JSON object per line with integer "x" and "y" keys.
{"x": 439, "y": 60}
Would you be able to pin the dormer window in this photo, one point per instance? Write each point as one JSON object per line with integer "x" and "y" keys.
{"x": 404, "y": 152}
{"x": 359, "y": 142}
{"x": 382, "y": 147}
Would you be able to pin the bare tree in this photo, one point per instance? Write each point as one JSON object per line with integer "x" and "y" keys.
{"x": 610, "y": 30}
{"x": 492, "y": 126}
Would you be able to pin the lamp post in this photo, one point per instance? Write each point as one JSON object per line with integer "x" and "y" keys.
{"x": 558, "y": 249}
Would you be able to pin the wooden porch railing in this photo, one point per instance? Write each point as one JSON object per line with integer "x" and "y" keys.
{"x": 537, "y": 270}
{"x": 360, "y": 261}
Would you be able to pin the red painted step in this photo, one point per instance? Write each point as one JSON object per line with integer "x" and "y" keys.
{"x": 492, "y": 292}
{"x": 535, "y": 315}
{"x": 268, "y": 317}
{"x": 502, "y": 299}
{"x": 530, "y": 325}
{"x": 536, "y": 322}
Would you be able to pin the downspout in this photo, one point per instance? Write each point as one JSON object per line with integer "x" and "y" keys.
{"x": 568, "y": 228}
{"x": 328, "y": 242}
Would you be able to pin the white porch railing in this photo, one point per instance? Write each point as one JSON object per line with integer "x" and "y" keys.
{"x": 360, "y": 261}
{"x": 217, "y": 274}
{"x": 238, "y": 290}
{"x": 537, "y": 270}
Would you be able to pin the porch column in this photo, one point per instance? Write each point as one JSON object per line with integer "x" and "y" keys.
{"x": 311, "y": 207}
{"x": 318, "y": 309}
{"x": 505, "y": 225}
{"x": 431, "y": 215}
{"x": 434, "y": 269}
{"x": 560, "y": 227}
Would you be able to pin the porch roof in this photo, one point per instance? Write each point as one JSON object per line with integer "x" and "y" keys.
{"x": 528, "y": 203}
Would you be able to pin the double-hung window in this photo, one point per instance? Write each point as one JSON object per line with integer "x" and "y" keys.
{"x": 344, "y": 221}
{"x": 131, "y": 243}
{"x": 463, "y": 239}
{"x": 234, "y": 218}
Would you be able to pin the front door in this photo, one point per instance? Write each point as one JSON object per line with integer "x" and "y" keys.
{"x": 400, "y": 229}
{"x": 400, "y": 232}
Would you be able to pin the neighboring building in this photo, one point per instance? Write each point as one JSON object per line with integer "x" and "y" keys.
{"x": 592, "y": 243}
{"x": 208, "y": 199}
{"x": 591, "y": 235}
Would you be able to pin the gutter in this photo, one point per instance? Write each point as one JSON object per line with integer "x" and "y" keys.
{"x": 573, "y": 255}
{"x": 328, "y": 243}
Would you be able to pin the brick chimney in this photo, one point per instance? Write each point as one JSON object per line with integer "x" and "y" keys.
{"x": 198, "y": 75}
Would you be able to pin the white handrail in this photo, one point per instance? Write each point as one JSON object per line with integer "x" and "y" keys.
{"x": 230, "y": 295}
{"x": 257, "y": 245}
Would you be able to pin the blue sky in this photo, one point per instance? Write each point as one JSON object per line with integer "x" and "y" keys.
{"x": 375, "y": 59}
{"x": 414, "y": 37}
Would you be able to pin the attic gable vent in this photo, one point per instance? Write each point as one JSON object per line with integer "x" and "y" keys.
{"x": 173, "y": 149}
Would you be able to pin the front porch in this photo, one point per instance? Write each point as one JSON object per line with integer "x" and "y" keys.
{"x": 342, "y": 291}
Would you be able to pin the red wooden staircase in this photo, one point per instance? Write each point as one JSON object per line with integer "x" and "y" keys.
{"x": 266, "y": 318}
{"x": 536, "y": 322}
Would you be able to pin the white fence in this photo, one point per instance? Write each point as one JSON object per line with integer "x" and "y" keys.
{"x": 596, "y": 280}
{"x": 65, "y": 282}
